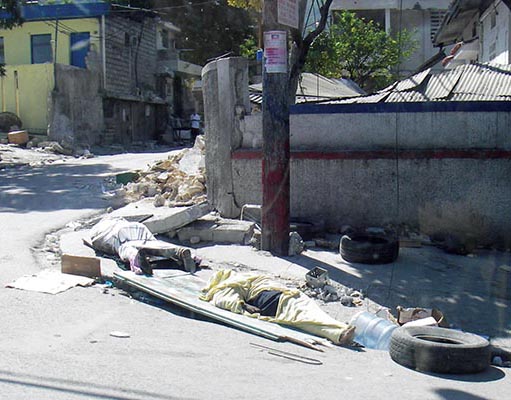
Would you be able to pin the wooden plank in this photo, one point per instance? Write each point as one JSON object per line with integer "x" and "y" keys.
{"x": 183, "y": 289}
{"x": 79, "y": 265}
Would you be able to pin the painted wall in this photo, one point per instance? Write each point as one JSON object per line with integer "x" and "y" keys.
{"x": 30, "y": 100}
{"x": 17, "y": 41}
{"x": 441, "y": 168}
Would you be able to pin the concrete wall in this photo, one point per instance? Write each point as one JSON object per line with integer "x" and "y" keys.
{"x": 437, "y": 167}
{"x": 225, "y": 87}
{"x": 76, "y": 107}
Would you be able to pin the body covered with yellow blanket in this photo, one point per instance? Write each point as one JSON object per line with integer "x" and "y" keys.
{"x": 231, "y": 291}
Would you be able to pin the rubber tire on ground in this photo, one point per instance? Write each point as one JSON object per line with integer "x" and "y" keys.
{"x": 367, "y": 249}
{"x": 440, "y": 350}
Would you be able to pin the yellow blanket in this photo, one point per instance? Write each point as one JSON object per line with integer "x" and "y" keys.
{"x": 230, "y": 290}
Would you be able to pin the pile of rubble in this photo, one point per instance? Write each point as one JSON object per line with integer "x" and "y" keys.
{"x": 178, "y": 181}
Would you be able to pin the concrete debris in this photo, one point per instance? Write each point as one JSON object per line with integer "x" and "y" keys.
{"x": 55, "y": 147}
{"x": 212, "y": 228}
{"x": 296, "y": 245}
{"x": 180, "y": 179}
{"x": 164, "y": 219}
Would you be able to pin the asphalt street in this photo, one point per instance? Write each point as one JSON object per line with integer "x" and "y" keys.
{"x": 59, "y": 346}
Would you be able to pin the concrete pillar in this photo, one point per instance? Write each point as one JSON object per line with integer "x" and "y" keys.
{"x": 225, "y": 88}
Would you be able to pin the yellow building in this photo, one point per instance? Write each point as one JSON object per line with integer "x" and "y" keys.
{"x": 63, "y": 33}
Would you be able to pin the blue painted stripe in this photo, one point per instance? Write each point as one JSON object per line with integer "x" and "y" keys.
{"x": 376, "y": 108}
{"x": 61, "y": 11}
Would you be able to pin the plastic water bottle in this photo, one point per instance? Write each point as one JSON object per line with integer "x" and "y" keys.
{"x": 372, "y": 331}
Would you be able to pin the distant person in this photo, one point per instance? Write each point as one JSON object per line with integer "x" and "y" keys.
{"x": 195, "y": 125}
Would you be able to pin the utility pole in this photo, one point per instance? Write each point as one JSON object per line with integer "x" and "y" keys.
{"x": 275, "y": 169}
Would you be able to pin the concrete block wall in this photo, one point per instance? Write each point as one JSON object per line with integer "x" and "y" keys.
{"x": 132, "y": 64}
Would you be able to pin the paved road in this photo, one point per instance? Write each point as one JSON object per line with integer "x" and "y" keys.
{"x": 59, "y": 347}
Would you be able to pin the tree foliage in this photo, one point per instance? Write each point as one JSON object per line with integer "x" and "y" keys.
{"x": 360, "y": 50}
{"x": 208, "y": 29}
{"x": 11, "y": 7}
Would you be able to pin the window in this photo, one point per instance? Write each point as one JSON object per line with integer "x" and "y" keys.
{"x": 2, "y": 54}
{"x": 493, "y": 19}
{"x": 80, "y": 46}
{"x": 164, "y": 38}
{"x": 41, "y": 49}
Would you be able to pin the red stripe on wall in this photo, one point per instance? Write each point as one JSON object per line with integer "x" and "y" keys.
{"x": 382, "y": 154}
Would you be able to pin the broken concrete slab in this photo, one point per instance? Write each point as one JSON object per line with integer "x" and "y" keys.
{"x": 79, "y": 265}
{"x": 164, "y": 219}
{"x": 211, "y": 228}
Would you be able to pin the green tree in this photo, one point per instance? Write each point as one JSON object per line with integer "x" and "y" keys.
{"x": 208, "y": 29}
{"x": 360, "y": 50}
{"x": 10, "y": 8}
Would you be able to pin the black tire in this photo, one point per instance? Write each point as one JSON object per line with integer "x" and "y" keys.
{"x": 367, "y": 249}
{"x": 440, "y": 350}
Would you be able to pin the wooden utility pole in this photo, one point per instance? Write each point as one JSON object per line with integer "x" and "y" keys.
{"x": 275, "y": 171}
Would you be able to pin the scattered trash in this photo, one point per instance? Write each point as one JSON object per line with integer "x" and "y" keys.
{"x": 368, "y": 249}
{"x": 126, "y": 177}
{"x": 406, "y": 315}
{"x": 83, "y": 266}
{"x": 119, "y": 334}
{"x": 317, "y": 277}
{"x": 49, "y": 281}
{"x": 18, "y": 137}
{"x": 428, "y": 321}
{"x": 372, "y": 331}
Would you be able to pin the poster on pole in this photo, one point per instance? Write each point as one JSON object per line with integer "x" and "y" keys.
{"x": 287, "y": 11}
{"x": 275, "y": 52}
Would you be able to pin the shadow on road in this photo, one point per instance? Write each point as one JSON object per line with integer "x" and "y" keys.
{"x": 88, "y": 389}
{"x": 53, "y": 187}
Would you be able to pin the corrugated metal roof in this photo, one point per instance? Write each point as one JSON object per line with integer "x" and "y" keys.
{"x": 470, "y": 82}
{"x": 315, "y": 88}
{"x": 413, "y": 81}
{"x": 441, "y": 85}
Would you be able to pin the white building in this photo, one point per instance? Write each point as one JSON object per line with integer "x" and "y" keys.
{"x": 422, "y": 18}
{"x": 480, "y": 30}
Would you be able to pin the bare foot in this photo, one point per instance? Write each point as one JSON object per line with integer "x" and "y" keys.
{"x": 347, "y": 336}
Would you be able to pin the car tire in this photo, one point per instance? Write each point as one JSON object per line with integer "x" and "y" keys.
{"x": 368, "y": 249}
{"x": 439, "y": 350}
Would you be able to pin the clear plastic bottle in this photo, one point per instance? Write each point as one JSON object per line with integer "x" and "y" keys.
{"x": 372, "y": 331}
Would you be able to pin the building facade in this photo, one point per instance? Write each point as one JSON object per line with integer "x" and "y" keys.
{"x": 90, "y": 73}
{"x": 421, "y": 18}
